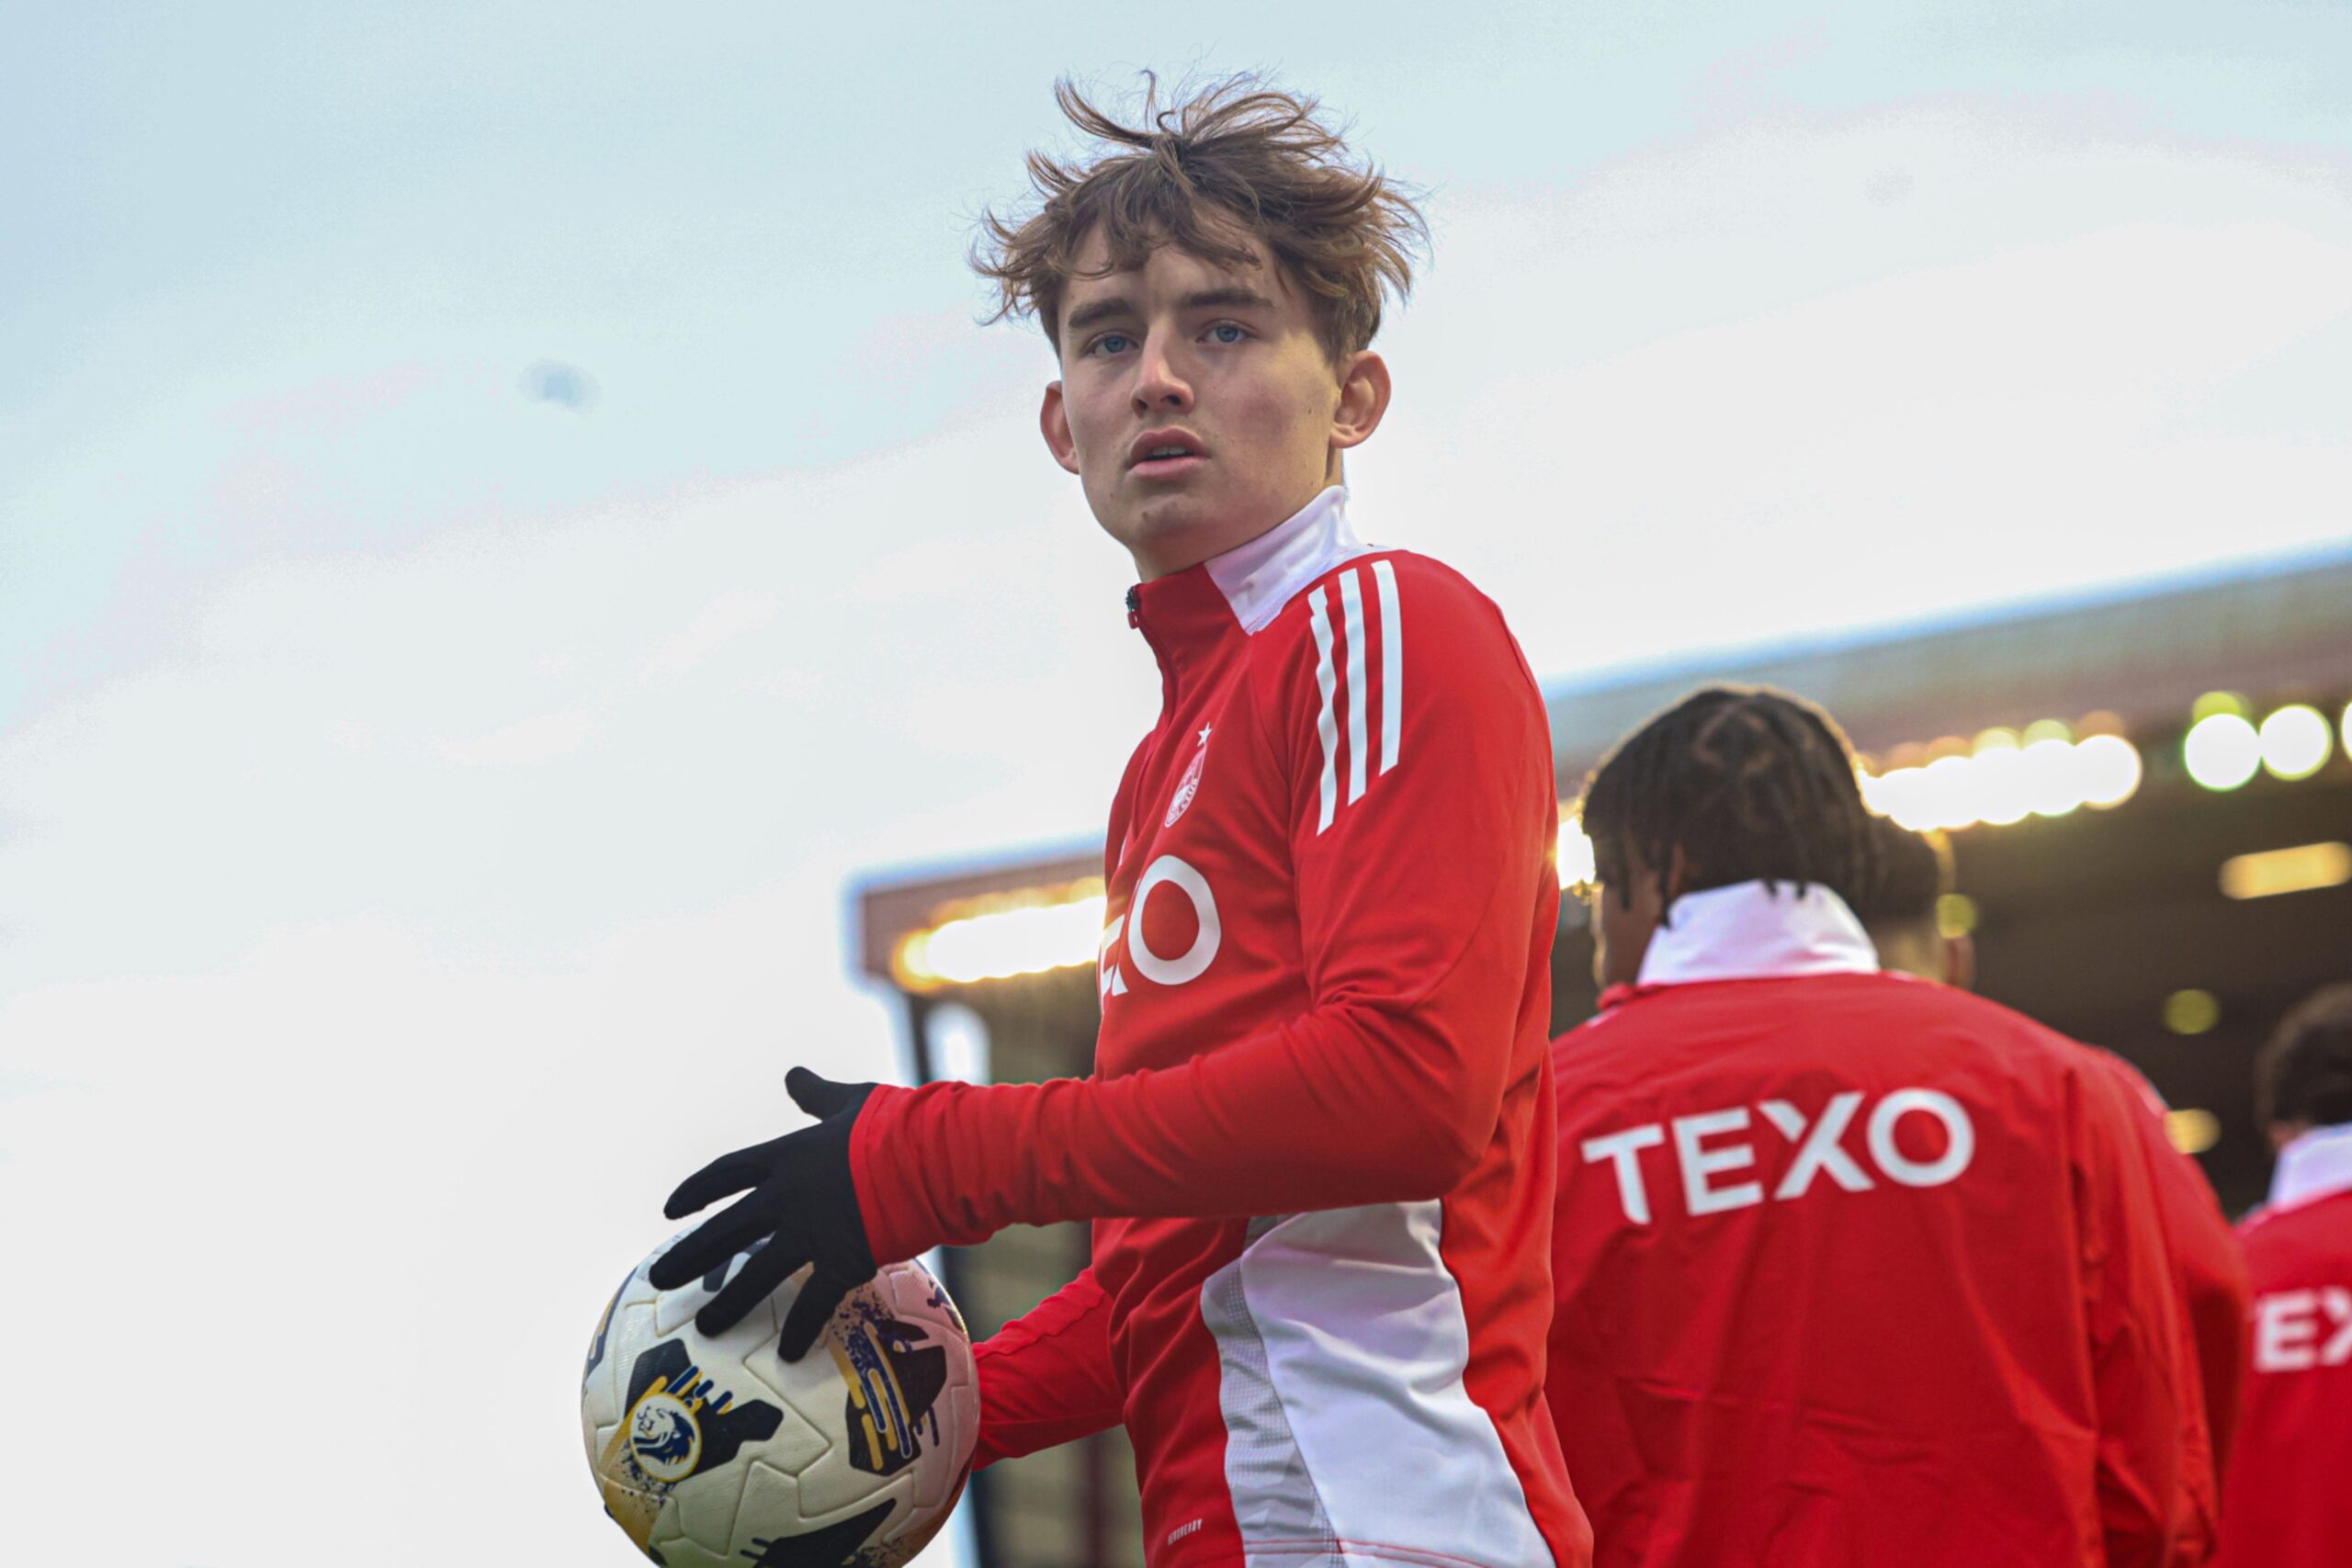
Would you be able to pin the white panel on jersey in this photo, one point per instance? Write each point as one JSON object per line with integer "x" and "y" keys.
{"x": 1342, "y": 1345}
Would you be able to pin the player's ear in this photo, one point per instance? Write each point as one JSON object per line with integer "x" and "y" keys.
{"x": 1363, "y": 399}
{"x": 1052, "y": 420}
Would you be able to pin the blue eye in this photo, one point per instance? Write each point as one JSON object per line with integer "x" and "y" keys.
{"x": 1111, "y": 342}
{"x": 1222, "y": 329}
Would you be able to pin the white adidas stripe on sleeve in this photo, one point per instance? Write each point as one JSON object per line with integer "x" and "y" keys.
{"x": 1351, "y": 603}
{"x": 1329, "y": 679}
{"x": 1392, "y": 665}
{"x": 1327, "y": 729}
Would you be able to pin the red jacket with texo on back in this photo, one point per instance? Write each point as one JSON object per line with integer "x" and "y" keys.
{"x": 1855, "y": 1269}
{"x": 1316, "y": 1144}
{"x": 2287, "y": 1504}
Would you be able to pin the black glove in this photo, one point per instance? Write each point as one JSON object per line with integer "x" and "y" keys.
{"x": 801, "y": 1209}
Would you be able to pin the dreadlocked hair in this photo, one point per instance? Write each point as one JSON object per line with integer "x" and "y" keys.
{"x": 1749, "y": 783}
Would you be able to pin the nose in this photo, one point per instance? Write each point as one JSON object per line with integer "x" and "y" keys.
{"x": 1160, "y": 388}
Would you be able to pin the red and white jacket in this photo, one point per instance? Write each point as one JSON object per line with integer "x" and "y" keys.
{"x": 2286, "y": 1503}
{"x": 1856, "y": 1269}
{"x": 1316, "y": 1146}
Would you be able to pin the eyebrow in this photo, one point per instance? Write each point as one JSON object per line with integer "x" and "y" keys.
{"x": 1118, "y": 306}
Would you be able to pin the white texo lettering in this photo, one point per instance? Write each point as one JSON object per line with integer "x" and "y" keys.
{"x": 1624, "y": 1150}
{"x": 1699, "y": 1164}
{"x": 2285, "y": 1325}
{"x": 1958, "y": 1132}
{"x": 1820, "y": 1150}
{"x": 1108, "y": 979}
{"x": 2336, "y": 1302}
{"x": 1175, "y": 872}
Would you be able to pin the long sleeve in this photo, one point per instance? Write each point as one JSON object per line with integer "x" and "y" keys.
{"x": 1411, "y": 768}
{"x": 1046, "y": 1377}
{"x": 2206, "y": 1266}
{"x": 2214, "y": 1278}
{"x": 2147, "y": 1470}
{"x": 2211, "y": 1274}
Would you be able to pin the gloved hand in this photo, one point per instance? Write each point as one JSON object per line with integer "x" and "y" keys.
{"x": 802, "y": 1204}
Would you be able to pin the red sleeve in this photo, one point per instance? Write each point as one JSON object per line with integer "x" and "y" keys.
{"x": 1045, "y": 1377}
{"x": 2146, "y": 1479}
{"x": 2213, "y": 1275}
{"x": 1417, "y": 897}
{"x": 2206, "y": 1264}
{"x": 2213, "y": 1287}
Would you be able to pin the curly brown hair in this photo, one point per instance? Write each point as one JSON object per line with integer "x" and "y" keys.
{"x": 1235, "y": 160}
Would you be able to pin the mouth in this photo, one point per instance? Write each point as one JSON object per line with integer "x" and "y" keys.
{"x": 1165, "y": 454}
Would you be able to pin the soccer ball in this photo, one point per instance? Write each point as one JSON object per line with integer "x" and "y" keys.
{"x": 718, "y": 1451}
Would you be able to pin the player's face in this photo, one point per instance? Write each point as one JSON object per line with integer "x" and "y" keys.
{"x": 1196, "y": 405}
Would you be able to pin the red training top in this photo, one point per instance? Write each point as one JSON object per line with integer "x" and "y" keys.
{"x": 1316, "y": 1146}
{"x": 1856, "y": 1270}
{"x": 2287, "y": 1505}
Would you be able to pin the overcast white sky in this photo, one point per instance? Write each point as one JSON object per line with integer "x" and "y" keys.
{"x": 426, "y": 807}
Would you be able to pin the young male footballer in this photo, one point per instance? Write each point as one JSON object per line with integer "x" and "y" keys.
{"x": 1317, "y": 1147}
{"x": 1852, "y": 1269}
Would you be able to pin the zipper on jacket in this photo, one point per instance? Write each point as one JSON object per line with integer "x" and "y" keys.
{"x": 1134, "y": 606}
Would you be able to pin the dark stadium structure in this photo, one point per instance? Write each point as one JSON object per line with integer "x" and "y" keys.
{"x": 2204, "y": 887}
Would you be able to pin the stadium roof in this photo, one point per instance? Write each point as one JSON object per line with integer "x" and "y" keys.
{"x": 2143, "y": 655}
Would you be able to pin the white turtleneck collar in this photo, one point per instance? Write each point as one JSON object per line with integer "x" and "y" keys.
{"x": 1757, "y": 931}
{"x": 1260, "y": 577}
{"x": 2315, "y": 1165}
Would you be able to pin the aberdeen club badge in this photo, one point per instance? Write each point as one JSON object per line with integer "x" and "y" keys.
{"x": 1190, "y": 784}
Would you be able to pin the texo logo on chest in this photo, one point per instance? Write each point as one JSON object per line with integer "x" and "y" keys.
{"x": 1123, "y": 939}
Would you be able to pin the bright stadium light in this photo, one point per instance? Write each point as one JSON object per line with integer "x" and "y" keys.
{"x": 2191, "y": 1012}
{"x": 2055, "y": 781}
{"x": 1900, "y": 794}
{"x": 1998, "y": 785}
{"x": 1028, "y": 936}
{"x": 2222, "y": 750}
{"x": 2006, "y": 776}
{"x": 1576, "y": 867}
{"x": 2191, "y": 1129}
{"x": 1946, "y": 794}
{"x": 2295, "y": 741}
{"x": 2302, "y": 868}
{"x": 2108, "y": 767}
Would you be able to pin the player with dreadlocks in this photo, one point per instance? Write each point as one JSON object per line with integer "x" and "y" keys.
{"x": 1850, "y": 1269}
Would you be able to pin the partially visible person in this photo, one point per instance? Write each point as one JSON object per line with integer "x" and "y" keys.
{"x": 2288, "y": 1505}
{"x": 1902, "y": 914}
{"x": 1851, "y": 1270}
{"x": 1903, "y": 906}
